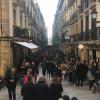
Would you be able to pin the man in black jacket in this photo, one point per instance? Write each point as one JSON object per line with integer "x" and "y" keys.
{"x": 11, "y": 80}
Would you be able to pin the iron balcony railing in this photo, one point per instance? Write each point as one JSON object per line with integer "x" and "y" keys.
{"x": 85, "y": 4}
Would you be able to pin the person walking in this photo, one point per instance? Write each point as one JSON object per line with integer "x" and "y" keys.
{"x": 42, "y": 89}
{"x": 11, "y": 80}
{"x": 56, "y": 89}
{"x": 27, "y": 91}
{"x": 44, "y": 66}
{"x": 81, "y": 71}
{"x": 92, "y": 74}
{"x": 91, "y": 79}
{"x": 35, "y": 72}
{"x": 59, "y": 72}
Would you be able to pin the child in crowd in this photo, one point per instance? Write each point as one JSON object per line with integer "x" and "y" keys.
{"x": 74, "y": 98}
{"x": 66, "y": 97}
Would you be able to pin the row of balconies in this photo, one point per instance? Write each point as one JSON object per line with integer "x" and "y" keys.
{"x": 85, "y": 4}
{"x": 74, "y": 17}
{"x": 92, "y": 34}
{"x": 33, "y": 21}
{"x": 21, "y": 33}
{"x": 88, "y": 34}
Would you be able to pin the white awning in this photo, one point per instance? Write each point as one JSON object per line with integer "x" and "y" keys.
{"x": 28, "y": 45}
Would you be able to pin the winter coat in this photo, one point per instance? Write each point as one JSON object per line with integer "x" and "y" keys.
{"x": 82, "y": 70}
{"x": 35, "y": 70}
{"x": 11, "y": 80}
{"x": 55, "y": 91}
{"x": 27, "y": 91}
{"x": 71, "y": 68}
{"x": 42, "y": 91}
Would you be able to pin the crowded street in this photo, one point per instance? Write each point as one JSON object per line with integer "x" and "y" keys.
{"x": 49, "y": 49}
{"x": 82, "y": 93}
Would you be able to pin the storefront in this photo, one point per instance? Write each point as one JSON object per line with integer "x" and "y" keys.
{"x": 21, "y": 50}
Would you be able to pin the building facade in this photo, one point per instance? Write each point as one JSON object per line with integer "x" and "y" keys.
{"x": 57, "y": 25}
{"x": 82, "y": 28}
{"x": 60, "y": 31}
{"x": 20, "y": 20}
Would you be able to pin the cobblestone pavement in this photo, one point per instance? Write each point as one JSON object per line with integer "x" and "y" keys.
{"x": 81, "y": 92}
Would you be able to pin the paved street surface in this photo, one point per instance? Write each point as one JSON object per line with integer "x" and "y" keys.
{"x": 4, "y": 94}
{"x": 81, "y": 92}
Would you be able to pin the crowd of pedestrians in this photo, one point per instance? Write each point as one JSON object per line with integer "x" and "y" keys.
{"x": 55, "y": 68}
{"x": 44, "y": 91}
{"x": 78, "y": 72}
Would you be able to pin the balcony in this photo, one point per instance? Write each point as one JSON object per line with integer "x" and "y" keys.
{"x": 66, "y": 8}
{"x": 86, "y": 35}
{"x": 74, "y": 16}
{"x": 85, "y": 4}
{"x": 91, "y": 1}
{"x": 65, "y": 25}
{"x": 76, "y": 37}
{"x": 70, "y": 3}
{"x": 65, "y": 38}
{"x": 81, "y": 8}
{"x": 21, "y": 33}
{"x": 94, "y": 34}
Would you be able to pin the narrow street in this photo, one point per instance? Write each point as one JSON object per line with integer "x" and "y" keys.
{"x": 81, "y": 92}
{"x": 60, "y": 37}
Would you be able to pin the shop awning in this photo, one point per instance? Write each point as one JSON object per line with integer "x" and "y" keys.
{"x": 28, "y": 45}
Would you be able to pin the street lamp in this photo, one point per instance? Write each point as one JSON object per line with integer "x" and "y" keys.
{"x": 93, "y": 24}
{"x": 94, "y": 16}
{"x": 80, "y": 46}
